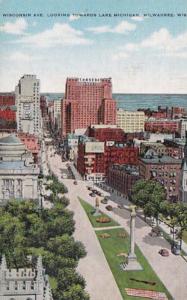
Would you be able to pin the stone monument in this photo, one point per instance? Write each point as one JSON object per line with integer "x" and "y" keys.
{"x": 132, "y": 263}
{"x": 97, "y": 212}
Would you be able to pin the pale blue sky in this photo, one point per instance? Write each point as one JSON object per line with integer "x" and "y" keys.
{"x": 142, "y": 55}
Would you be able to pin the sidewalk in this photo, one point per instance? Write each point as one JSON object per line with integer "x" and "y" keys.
{"x": 75, "y": 172}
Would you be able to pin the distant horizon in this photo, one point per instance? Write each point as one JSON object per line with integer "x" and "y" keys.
{"x": 119, "y": 93}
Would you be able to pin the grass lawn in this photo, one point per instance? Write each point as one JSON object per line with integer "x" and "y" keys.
{"x": 89, "y": 209}
{"x": 114, "y": 245}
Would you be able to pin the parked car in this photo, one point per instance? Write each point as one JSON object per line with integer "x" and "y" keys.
{"x": 120, "y": 206}
{"x": 155, "y": 231}
{"x": 109, "y": 207}
{"x": 104, "y": 201}
{"x": 164, "y": 252}
{"x": 92, "y": 194}
{"x": 176, "y": 249}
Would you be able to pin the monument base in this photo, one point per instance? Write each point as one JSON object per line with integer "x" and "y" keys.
{"x": 97, "y": 213}
{"x": 132, "y": 264}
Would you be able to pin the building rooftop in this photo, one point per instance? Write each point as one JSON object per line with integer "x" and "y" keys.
{"x": 15, "y": 165}
{"x": 165, "y": 159}
{"x": 10, "y": 139}
{"x": 129, "y": 169}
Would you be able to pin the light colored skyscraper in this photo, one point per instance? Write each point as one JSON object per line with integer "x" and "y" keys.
{"x": 28, "y": 104}
{"x": 131, "y": 121}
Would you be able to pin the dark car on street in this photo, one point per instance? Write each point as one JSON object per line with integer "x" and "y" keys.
{"x": 92, "y": 194}
{"x": 109, "y": 207}
{"x": 164, "y": 252}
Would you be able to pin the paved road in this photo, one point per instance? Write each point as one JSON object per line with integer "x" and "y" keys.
{"x": 171, "y": 270}
{"x": 94, "y": 267}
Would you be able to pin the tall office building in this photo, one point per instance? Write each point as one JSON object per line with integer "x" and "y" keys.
{"x": 28, "y": 104}
{"x": 87, "y": 102}
{"x": 57, "y": 113}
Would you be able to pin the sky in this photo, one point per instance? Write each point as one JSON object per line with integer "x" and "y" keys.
{"x": 121, "y": 39}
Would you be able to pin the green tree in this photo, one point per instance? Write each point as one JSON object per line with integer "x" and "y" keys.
{"x": 149, "y": 195}
{"x": 75, "y": 292}
{"x": 67, "y": 277}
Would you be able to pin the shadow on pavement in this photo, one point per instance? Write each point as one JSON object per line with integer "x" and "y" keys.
{"x": 156, "y": 241}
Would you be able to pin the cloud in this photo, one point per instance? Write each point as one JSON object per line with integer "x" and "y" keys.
{"x": 120, "y": 55}
{"x": 162, "y": 43}
{"x": 74, "y": 18}
{"x": 122, "y": 28}
{"x": 21, "y": 57}
{"x": 17, "y": 27}
{"x": 60, "y": 34}
{"x": 138, "y": 18}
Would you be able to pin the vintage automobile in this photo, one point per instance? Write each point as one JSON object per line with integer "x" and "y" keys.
{"x": 176, "y": 248}
{"x": 92, "y": 194}
{"x": 164, "y": 252}
{"x": 109, "y": 207}
{"x": 104, "y": 201}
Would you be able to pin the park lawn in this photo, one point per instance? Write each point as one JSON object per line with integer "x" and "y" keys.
{"x": 114, "y": 245}
{"x": 89, "y": 209}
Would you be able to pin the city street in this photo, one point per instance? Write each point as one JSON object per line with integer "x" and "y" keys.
{"x": 171, "y": 270}
{"x": 94, "y": 267}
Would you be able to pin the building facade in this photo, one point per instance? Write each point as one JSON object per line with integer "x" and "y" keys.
{"x": 57, "y": 114}
{"x": 131, "y": 121}
{"x": 104, "y": 133}
{"x": 122, "y": 178}
{"x": 7, "y": 99}
{"x": 95, "y": 157}
{"x": 184, "y": 174}
{"x": 24, "y": 283}
{"x": 32, "y": 144}
{"x": 162, "y": 126}
{"x": 86, "y": 102}
{"x": 28, "y": 104}
{"x": 18, "y": 173}
{"x": 164, "y": 169}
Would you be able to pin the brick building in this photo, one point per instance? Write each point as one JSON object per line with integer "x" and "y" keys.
{"x": 163, "y": 126}
{"x": 7, "y": 113}
{"x": 32, "y": 144}
{"x": 122, "y": 177}
{"x": 7, "y": 99}
{"x": 43, "y": 106}
{"x": 163, "y": 169}
{"x": 166, "y": 148}
{"x": 86, "y": 102}
{"x": 105, "y": 133}
{"x": 95, "y": 157}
